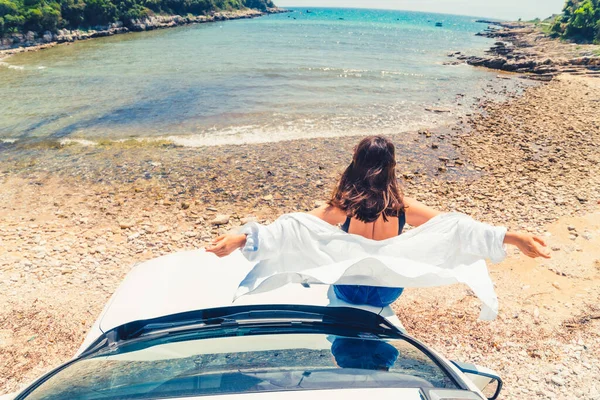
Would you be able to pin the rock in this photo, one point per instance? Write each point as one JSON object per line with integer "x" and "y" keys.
{"x": 435, "y": 145}
{"x": 248, "y": 218}
{"x": 220, "y": 219}
{"x": 161, "y": 229}
{"x": 268, "y": 197}
{"x": 126, "y": 224}
{"x": 557, "y": 380}
{"x": 571, "y": 228}
{"x": 556, "y": 285}
{"x": 319, "y": 203}
{"x": 185, "y": 205}
{"x": 437, "y": 110}
{"x": 133, "y": 236}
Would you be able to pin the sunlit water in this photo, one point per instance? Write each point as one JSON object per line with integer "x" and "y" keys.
{"x": 325, "y": 73}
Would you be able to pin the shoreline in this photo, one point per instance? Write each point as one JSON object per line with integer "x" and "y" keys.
{"x": 32, "y": 42}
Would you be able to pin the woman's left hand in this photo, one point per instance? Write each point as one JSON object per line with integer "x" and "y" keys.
{"x": 224, "y": 245}
{"x": 530, "y": 245}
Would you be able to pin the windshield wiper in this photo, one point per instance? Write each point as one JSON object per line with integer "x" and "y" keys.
{"x": 267, "y": 317}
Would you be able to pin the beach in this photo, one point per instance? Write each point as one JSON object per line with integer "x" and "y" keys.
{"x": 72, "y": 226}
{"x": 76, "y": 216}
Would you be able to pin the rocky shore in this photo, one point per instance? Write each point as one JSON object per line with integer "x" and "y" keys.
{"x": 31, "y": 41}
{"x": 524, "y": 48}
{"x": 74, "y": 219}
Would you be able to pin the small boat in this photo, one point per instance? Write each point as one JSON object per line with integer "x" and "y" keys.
{"x": 438, "y": 24}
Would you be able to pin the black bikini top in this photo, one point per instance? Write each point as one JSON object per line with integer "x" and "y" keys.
{"x": 401, "y": 223}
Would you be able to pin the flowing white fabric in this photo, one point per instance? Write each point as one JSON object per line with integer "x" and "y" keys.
{"x": 301, "y": 248}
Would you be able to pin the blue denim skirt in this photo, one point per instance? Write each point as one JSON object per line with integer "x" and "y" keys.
{"x": 367, "y": 295}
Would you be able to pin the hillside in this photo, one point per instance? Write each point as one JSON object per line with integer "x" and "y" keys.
{"x": 20, "y": 16}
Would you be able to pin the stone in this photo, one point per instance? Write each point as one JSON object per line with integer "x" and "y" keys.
{"x": 220, "y": 219}
{"x": 557, "y": 380}
{"x": 161, "y": 229}
{"x": 126, "y": 224}
{"x": 268, "y": 197}
{"x": 248, "y": 219}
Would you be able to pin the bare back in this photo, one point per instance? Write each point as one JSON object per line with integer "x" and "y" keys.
{"x": 377, "y": 230}
{"x": 416, "y": 214}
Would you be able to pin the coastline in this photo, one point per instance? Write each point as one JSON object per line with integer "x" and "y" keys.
{"x": 32, "y": 42}
{"x": 524, "y": 48}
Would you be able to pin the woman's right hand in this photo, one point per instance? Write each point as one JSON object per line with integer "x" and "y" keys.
{"x": 224, "y": 245}
{"x": 530, "y": 245}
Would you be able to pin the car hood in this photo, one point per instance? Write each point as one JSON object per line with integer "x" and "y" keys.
{"x": 194, "y": 280}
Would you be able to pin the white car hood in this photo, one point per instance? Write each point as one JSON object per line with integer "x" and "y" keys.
{"x": 196, "y": 280}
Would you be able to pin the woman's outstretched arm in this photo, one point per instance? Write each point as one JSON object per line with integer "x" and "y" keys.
{"x": 532, "y": 246}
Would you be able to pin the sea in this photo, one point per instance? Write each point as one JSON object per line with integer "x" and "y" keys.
{"x": 320, "y": 72}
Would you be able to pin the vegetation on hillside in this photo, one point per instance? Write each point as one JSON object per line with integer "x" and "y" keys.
{"x": 51, "y": 15}
{"x": 579, "y": 21}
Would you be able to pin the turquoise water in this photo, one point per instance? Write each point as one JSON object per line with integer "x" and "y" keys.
{"x": 325, "y": 73}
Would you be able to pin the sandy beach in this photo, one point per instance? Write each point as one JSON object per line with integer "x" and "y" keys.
{"x": 74, "y": 219}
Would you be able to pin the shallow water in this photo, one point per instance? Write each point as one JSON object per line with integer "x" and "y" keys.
{"x": 326, "y": 73}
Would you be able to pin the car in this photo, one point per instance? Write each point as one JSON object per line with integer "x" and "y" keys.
{"x": 171, "y": 331}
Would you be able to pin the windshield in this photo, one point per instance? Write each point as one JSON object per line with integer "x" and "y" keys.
{"x": 164, "y": 368}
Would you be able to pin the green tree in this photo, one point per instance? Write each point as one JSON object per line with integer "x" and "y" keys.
{"x": 72, "y": 13}
{"x": 580, "y": 20}
{"x": 99, "y": 12}
{"x": 49, "y": 15}
{"x": 8, "y": 7}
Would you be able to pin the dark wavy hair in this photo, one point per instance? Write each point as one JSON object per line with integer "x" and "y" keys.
{"x": 368, "y": 188}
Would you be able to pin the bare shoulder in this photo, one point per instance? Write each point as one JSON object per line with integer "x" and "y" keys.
{"x": 329, "y": 214}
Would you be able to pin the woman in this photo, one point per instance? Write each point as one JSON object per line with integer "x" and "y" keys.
{"x": 368, "y": 202}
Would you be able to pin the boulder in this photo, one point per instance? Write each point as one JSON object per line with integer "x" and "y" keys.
{"x": 47, "y": 37}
